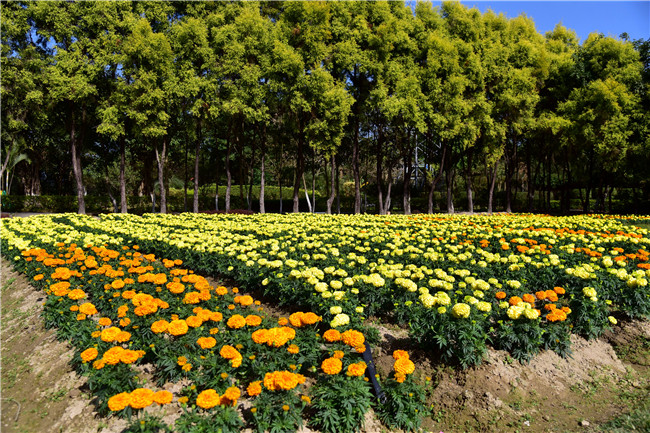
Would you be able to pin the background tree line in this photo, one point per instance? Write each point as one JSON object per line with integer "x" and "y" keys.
{"x": 400, "y": 108}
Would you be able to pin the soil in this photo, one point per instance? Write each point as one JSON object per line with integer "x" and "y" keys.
{"x": 601, "y": 380}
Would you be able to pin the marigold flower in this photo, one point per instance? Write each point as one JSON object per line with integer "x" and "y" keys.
{"x": 397, "y": 354}
{"x": 208, "y": 399}
{"x": 181, "y": 361}
{"x": 159, "y": 326}
{"x": 113, "y": 355}
{"x": 230, "y": 396}
{"x": 105, "y": 321}
{"x": 163, "y": 397}
{"x": 541, "y": 295}
{"x": 128, "y": 294}
{"x": 229, "y": 352}
{"x": 110, "y": 334}
{"x": 353, "y": 338}
{"x": 129, "y": 356}
{"x": 89, "y": 354}
{"x": 529, "y": 298}
{"x": 194, "y": 321}
{"x": 81, "y": 316}
{"x": 187, "y": 367}
{"x": 356, "y": 369}
{"x": 177, "y": 327}
{"x": 515, "y": 300}
{"x": 119, "y": 401}
{"x": 38, "y": 277}
{"x": 236, "y": 321}
{"x": 253, "y": 320}
{"x": 123, "y": 336}
{"x": 559, "y": 290}
{"x": 461, "y": 310}
{"x": 404, "y": 366}
{"x": 500, "y": 295}
{"x": 117, "y": 284}
{"x": 332, "y": 335}
{"x": 99, "y": 364}
{"x": 206, "y": 342}
{"x": 331, "y": 366}
{"x": 293, "y": 349}
{"x": 282, "y": 380}
{"x": 175, "y": 287}
{"x": 221, "y": 290}
{"x": 254, "y": 388}
{"x": 76, "y": 294}
{"x": 283, "y": 321}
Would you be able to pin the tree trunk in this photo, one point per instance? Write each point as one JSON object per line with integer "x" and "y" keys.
{"x": 195, "y": 202}
{"x": 338, "y": 189}
{"x": 437, "y": 178}
{"x": 299, "y": 168}
{"x": 355, "y": 167}
{"x": 228, "y": 175}
{"x": 262, "y": 171}
{"x": 493, "y": 181}
{"x": 387, "y": 202}
{"x": 313, "y": 185}
{"x": 380, "y": 174}
{"x": 249, "y": 193}
{"x": 161, "y": 155}
{"x": 468, "y": 183}
{"x": 75, "y": 149}
{"x": 450, "y": 189}
{"x": 304, "y": 185}
{"x": 123, "y": 204}
{"x": 406, "y": 191}
{"x": 531, "y": 189}
{"x": 330, "y": 199}
{"x": 187, "y": 141}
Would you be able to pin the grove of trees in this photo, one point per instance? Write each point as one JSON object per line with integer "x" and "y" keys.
{"x": 413, "y": 108}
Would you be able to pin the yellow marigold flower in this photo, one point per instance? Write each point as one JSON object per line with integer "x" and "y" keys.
{"x": 181, "y": 360}
{"x": 183, "y": 400}
{"x": 141, "y": 398}
{"x": 95, "y": 334}
{"x": 236, "y": 321}
{"x": 332, "y": 366}
{"x": 206, "y": 342}
{"x": 461, "y": 310}
{"x": 236, "y": 361}
{"x": 187, "y": 367}
{"x": 159, "y": 326}
{"x": 285, "y": 407}
{"x": 177, "y": 327}
{"x": 332, "y": 335}
{"x": 163, "y": 397}
{"x": 89, "y": 354}
{"x": 306, "y": 399}
{"x": 208, "y": 399}
{"x": 356, "y": 369}
{"x": 293, "y": 349}
{"x": 404, "y": 366}
{"x": 81, "y": 316}
{"x": 119, "y": 401}
{"x": 121, "y": 311}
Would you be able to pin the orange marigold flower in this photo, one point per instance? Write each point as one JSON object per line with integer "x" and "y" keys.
{"x": 332, "y": 335}
{"x": 221, "y": 290}
{"x": 236, "y": 321}
{"x": 175, "y": 288}
{"x": 177, "y": 327}
{"x": 123, "y": 337}
{"x": 206, "y": 342}
{"x": 230, "y": 396}
{"x": 129, "y": 356}
{"x": 105, "y": 321}
{"x": 110, "y": 334}
{"x": 229, "y": 352}
{"x": 245, "y": 300}
{"x": 400, "y": 377}
{"x": 566, "y": 310}
{"x": 119, "y": 401}
{"x": 293, "y": 349}
{"x": 38, "y": 277}
{"x": 514, "y": 300}
{"x": 353, "y": 338}
{"x": 283, "y": 321}
{"x": 99, "y": 364}
{"x": 282, "y": 380}
{"x": 208, "y": 399}
{"x": 187, "y": 367}
{"x": 163, "y": 397}
{"x": 397, "y": 354}
{"x": 500, "y": 295}
{"x": 296, "y": 319}
{"x": 81, "y": 316}
{"x": 89, "y": 354}
{"x": 529, "y": 298}
{"x": 214, "y": 331}
{"x": 117, "y": 284}
{"x": 404, "y": 366}
{"x": 310, "y": 318}
{"x": 159, "y": 326}
{"x": 356, "y": 369}
{"x": 331, "y": 366}
{"x": 112, "y": 356}
{"x": 253, "y": 320}
{"x": 192, "y": 298}
{"x": 181, "y": 361}
{"x": 541, "y": 295}
{"x": 76, "y": 294}
{"x": 254, "y": 388}
{"x": 338, "y": 354}
{"x": 260, "y": 336}
{"x": 194, "y": 321}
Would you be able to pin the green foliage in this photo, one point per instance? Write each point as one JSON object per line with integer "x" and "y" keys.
{"x": 405, "y": 404}
{"x": 219, "y": 419}
{"x": 340, "y": 404}
{"x": 147, "y": 423}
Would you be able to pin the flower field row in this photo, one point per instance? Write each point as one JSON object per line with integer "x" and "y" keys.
{"x": 139, "y": 323}
{"x": 518, "y": 282}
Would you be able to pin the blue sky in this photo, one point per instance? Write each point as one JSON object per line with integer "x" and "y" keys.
{"x": 608, "y": 17}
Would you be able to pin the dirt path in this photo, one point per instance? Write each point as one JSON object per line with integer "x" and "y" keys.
{"x": 41, "y": 393}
